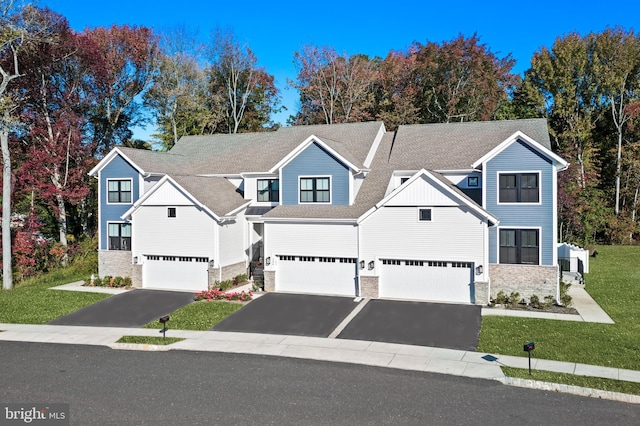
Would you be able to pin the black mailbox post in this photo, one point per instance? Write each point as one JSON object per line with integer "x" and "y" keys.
{"x": 163, "y": 320}
{"x": 528, "y": 347}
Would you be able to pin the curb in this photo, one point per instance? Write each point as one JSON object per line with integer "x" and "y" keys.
{"x": 575, "y": 390}
{"x": 140, "y": 347}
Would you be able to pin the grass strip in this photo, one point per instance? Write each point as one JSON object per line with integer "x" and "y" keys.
{"x": 198, "y": 315}
{"x": 612, "y": 283}
{"x": 609, "y": 385}
{"x": 149, "y": 340}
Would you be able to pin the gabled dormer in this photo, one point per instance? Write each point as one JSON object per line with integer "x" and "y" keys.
{"x": 316, "y": 173}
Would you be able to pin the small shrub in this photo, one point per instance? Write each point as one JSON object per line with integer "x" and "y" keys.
{"x": 565, "y": 299}
{"x": 257, "y": 285}
{"x": 534, "y": 301}
{"x": 117, "y": 282}
{"x": 549, "y": 301}
{"x": 216, "y": 294}
{"x": 106, "y": 280}
{"x": 126, "y": 282}
{"x": 514, "y": 299}
{"x": 501, "y": 298}
{"x": 97, "y": 282}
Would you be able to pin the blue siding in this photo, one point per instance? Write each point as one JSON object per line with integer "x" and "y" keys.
{"x": 117, "y": 168}
{"x": 315, "y": 161}
{"x": 514, "y": 158}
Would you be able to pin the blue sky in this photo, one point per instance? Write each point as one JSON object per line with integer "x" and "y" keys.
{"x": 275, "y": 30}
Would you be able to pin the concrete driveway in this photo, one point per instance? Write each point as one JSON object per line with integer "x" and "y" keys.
{"x": 414, "y": 323}
{"x": 134, "y": 308}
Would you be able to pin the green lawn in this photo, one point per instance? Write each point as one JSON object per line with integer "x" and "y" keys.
{"x": 575, "y": 380}
{"x": 614, "y": 282}
{"x": 198, "y": 315}
{"x": 149, "y": 340}
{"x": 31, "y": 301}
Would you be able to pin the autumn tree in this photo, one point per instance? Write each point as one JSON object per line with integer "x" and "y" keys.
{"x": 333, "y": 88}
{"x": 55, "y": 97}
{"x": 177, "y": 96}
{"x": 617, "y": 55}
{"x": 129, "y": 59}
{"x": 245, "y": 93}
{"x": 461, "y": 80}
{"x": 14, "y": 33}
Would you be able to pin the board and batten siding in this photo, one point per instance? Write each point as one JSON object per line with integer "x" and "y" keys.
{"x": 453, "y": 234}
{"x": 315, "y": 161}
{"x": 517, "y": 158}
{"x": 193, "y": 232}
{"x": 233, "y": 241}
{"x": 310, "y": 239}
{"x": 117, "y": 168}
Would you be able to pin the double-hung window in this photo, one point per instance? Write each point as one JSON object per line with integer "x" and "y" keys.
{"x": 120, "y": 236}
{"x": 315, "y": 190}
{"x": 519, "y": 188}
{"x": 520, "y": 246}
{"x": 268, "y": 190}
{"x": 119, "y": 191}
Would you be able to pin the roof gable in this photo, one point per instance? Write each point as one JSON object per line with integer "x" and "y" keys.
{"x": 519, "y": 136}
{"x": 109, "y": 157}
{"x": 306, "y": 144}
{"x": 431, "y": 189}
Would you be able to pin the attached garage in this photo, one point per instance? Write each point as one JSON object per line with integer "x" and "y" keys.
{"x": 175, "y": 272}
{"x": 316, "y": 274}
{"x": 440, "y": 281}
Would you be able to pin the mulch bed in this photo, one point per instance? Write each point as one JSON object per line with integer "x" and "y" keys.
{"x": 555, "y": 309}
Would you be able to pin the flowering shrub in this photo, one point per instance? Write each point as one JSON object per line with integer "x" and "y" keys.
{"x": 217, "y": 294}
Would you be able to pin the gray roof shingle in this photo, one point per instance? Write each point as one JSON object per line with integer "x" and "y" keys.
{"x": 217, "y": 193}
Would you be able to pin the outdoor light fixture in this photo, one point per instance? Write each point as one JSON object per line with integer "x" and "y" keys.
{"x": 362, "y": 264}
{"x": 479, "y": 270}
{"x": 371, "y": 264}
{"x": 135, "y": 260}
{"x": 211, "y": 263}
{"x": 268, "y": 262}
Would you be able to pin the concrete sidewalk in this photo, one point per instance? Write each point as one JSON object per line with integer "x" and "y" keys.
{"x": 390, "y": 355}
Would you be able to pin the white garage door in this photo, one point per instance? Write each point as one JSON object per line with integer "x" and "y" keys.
{"x": 427, "y": 280}
{"x": 175, "y": 272}
{"x": 318, "y": 275}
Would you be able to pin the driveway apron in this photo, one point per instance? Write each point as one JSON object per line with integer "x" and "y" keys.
{"x": 135, "y": 308}
{"x": 291, "y": 314}
{"x": 417, "y": 323}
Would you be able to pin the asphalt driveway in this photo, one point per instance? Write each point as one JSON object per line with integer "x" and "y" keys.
{"x": 413, "y": 323}
{"x": 291, "y": 314}
{"x": 134, "y": 308}
{"x": 441, "y": 325}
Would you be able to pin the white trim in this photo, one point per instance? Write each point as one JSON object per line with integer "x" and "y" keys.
{"x": 517, "y": 227}
{"x": 168, "y": 178}
{"x": 106, "y": 160}
{"x": 519, "y": 172}
{"x": 527, "y": 140}
{"x": 430, "y": 214}
{"x": 100, "y": 213}
{"x": 554, "y": 212}
{"x": 109, "y": 222}
{"x": 300, "y": 148}
{"x": 300, "y": 177}
{"x": 119, "y": 180}
{"x": 472, "y": 206}
{"x": 374, "y": 146}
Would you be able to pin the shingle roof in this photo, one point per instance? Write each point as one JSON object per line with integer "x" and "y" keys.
{"x": 155, "y": 162}
{"x": 456, "y": 146}
{"x": 259, "y": 152}
{"x": 217, "y": 193}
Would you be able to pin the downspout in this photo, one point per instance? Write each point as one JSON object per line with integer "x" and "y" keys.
{"x": 359, "y": 286}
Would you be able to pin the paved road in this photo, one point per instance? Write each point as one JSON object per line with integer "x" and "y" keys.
{"x": 131, "y": 309}
{"x": 107, "y": 387}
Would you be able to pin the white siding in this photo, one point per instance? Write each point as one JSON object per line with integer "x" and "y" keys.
{"x": 191, "y": 233}
{"x": 335, "y": 240}
{"x": 453, "y": 234}
{"x": 150, "y": 183}
{"x": 233, "y": 242}
{"x": 422, "y": 192}
{"x": 167, "y": 195}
